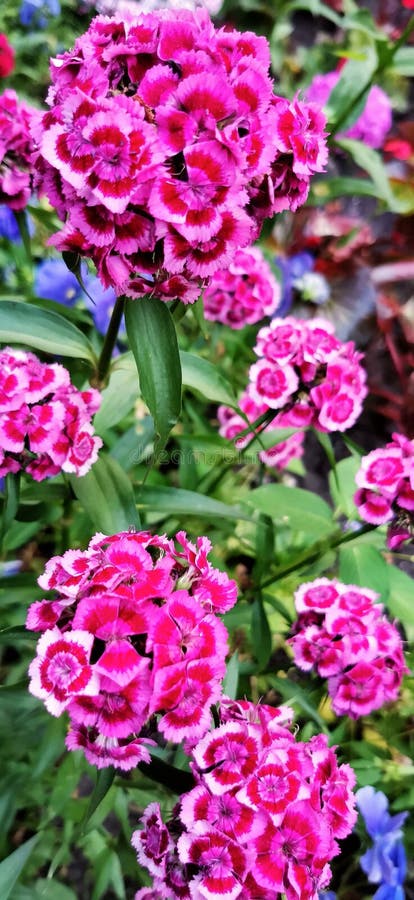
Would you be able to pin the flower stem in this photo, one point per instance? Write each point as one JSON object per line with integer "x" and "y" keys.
{"x": 177, "y": 780}
{"x": 109, "y": 343}
{"x": 314, "y": 552}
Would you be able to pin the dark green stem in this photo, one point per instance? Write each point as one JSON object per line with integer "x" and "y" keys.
{"x": 109, "y": 343}
{"x": 177, "y": 780}
{"x": 314, "y": 552}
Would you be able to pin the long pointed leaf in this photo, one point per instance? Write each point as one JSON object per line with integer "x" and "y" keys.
{"x": 106, "y": 495}
{"x": 12, "y": 866}
{"x": 22, "y": 323}
{"x": 153, "y": 341}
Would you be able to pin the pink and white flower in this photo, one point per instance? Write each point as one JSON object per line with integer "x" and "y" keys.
{"x": 45, "y": 422}
{"x": 163, "y": 138}
{"x": 385, "y": 492}
{"x": 263, "y": 817}
{"x": 158, "y": 649}
{"x": 342, "y": 634}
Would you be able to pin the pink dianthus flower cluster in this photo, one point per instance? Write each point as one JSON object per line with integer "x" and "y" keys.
{"x": 262, "y": 820}
{"x": 45, "y": 422}
{"x": 132, "y": 632}
{"x": 375, "y": 120}
{"x": 243, "y": 293}
{"x": 342, "y": 634}
{"x": 16, "y": 150}
{"x": 231, "y": 424}
{"x": 305, "y": 372}
{"x": 386, "y": 489}
{"x": 165, "y": 148}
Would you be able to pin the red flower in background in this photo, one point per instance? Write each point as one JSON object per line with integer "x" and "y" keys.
{"x": 6, "y": 57}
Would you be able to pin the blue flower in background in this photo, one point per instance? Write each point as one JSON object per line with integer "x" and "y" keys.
{"x": 103, "y": 303}
{"x": 37, "y": 12}
{"x": 8, "y": 225}
{"x": 298, "y": 275}
{"x": 384, "y": 863}
{"x": 9, "y": 228}
{"x": 54, "y": 281}
{"x": 327, "y": 895}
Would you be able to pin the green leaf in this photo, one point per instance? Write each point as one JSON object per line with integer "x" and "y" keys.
{"x": 11, "y": 867}
{"x": 119, "y": 396}
{"x": 178, "y": 502}
{"x": 400, "y": 598}
{"x": 40, "y": 329}
{"x": 369, "y": 160}
{"x": 261, "y": 634}
{"x": 292, "y": 692}
{"x": 231, "y": 678}
{"x": 296, "y": 508}
{"x": 11, "y": 502}
{"x": 201, "y": 376}
{"x": 348, "y": 98}
{"x": 327, "y": 189}
{"x": 363, "y": 565}
{"x": 16, "y": 633}
{"x": 403, "y": 61}
{"x": 153, "y": 341}
{"x": 343, "y": 487}
{"x": 107, "y": 496}
{"x": 104, "y": 781}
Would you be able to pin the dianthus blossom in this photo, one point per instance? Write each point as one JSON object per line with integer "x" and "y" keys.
{"x": 342, "y": 634}
{"x": 306, "y": 376}
{"x": 6, "y": 57}
{"x": 165, "y": 148}
{"x": 386, "y": 489}
{"x": 262, "y": 820}
{"x": 375, "y": 120}
{"x": 16, "y": 150}
{"x": 45, "y": 422}
{"x": 231, "y": 422}
{"x": 243, "y": 293}
{"x": 132, "y": 632}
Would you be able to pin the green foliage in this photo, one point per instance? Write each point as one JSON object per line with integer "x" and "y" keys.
{"x": 153, "y": 341}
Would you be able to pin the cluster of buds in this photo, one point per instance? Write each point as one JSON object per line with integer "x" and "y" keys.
{"x": 342, "y": 634}
{"x": 385, "y": 492}
{"x": 165, "y": 148}
{"x": 45, "y": 422}
{"x": 244, "y": 293}
{"x": 262, "y": 820}
{"x": 133, "y": 632}
{"x": 16, "y": 150}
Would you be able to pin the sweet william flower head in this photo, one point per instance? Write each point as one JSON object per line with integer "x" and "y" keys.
{"x": 16, "y": 150}
{"x": 164, "y": 149}
{"x": 145, "y": 646}
{"x": 262, "y": 818}
{"x": 342, "y": 634}
{"x": 306, "y": 374}
{"x": 385, "y": 494}
{"x": 45, "y": 422}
